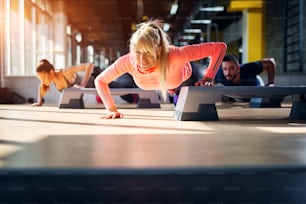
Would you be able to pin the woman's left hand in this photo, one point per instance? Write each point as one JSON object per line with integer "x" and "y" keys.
{"x": 205, "y": 82}
{"x": 113, "y": 115}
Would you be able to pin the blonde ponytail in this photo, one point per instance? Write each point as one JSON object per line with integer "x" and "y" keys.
{"x": 151, "y": 37}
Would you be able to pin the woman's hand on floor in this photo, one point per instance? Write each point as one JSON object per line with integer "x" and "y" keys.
{"x": 36, "y": 104}
{"x": 113, "y": 115}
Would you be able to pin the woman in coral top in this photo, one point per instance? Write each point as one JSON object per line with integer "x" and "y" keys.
{"x": 154, "y": 64}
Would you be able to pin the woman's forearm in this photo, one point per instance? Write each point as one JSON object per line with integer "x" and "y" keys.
{"x": 43, "y": 89}
{"x": 215, "y": 60}
{"x": 88, "y": 71}
{"x": 104, "y": 92}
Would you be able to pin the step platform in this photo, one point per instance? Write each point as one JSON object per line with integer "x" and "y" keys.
{"x": 199, "y": 103}
{"x": 73, "y": 97}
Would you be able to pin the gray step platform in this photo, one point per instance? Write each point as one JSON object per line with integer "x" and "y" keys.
{"x": 73, "y": 97}
{"x": 198, "y": 103}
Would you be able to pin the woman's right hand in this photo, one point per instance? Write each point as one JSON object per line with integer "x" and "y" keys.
{"x": 113, "y": 115}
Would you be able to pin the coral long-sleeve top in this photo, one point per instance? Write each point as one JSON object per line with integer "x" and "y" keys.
{"x": 179, "y": 68}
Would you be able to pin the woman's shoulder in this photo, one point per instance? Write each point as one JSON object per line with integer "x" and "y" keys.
{"x": 124, "y": 59}
{"x": 126, "y": 62}
{"x": 183, "y": 48}
{"x": 180, "y": 51}
{"x": 60, "y": 71}
{"x": 174, "y": 50}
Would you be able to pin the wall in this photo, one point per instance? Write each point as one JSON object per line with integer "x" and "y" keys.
{"x": 28, "y": 88}
{"x": 2, "y": 42}
{"x": 287, "y": 79}
{"x": 233, "y": 32}
{"x": 274, "y": 29}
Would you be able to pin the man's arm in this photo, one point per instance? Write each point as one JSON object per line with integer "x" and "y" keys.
{"x": 269, "y": 65}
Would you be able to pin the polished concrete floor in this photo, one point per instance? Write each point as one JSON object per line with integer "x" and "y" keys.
{"x": 51, "y": 155}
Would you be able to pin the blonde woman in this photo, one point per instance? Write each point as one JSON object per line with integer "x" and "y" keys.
{"x": 63, "y": 78}
{"x": 154, "y": 64}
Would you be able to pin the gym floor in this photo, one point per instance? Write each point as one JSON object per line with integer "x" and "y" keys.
{"x": 50, "y": 138}
{"x": 148, "y": 137}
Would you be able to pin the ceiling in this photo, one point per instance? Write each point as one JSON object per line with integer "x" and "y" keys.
{"x": 107, "y": 24}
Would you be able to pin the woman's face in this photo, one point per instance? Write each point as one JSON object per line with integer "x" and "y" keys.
{"x": 45, "y": 78}
{"x": 145, "y": 60}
